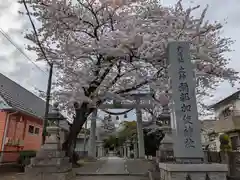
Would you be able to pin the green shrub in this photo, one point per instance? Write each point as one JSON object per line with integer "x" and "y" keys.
{"x": 225, "y": 144}
{"x": 25, "y": 157}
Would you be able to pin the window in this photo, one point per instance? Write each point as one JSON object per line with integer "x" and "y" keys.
{"x": 226, "y": 112}
{"x": 36, "y": 131}
{"x": 31, "y": 129}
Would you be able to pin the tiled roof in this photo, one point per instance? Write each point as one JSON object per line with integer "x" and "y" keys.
{"x": 226, "y": 100}
{"x": 19, "y": 98}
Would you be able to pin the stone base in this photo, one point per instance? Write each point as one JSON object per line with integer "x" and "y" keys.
{"x": 48, "y": 169}
{"x": 49, "y": 172}
{"x": 50, "y": 162}
{"x": 50, "y": 176}
{"x": 193, "y": 171}
{"x": 49, "y": 165}
{"x": 47, "y": 161}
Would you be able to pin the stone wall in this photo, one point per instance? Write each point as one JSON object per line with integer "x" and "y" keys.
{"x": 193, "y": 171}
{"x": 165, "y": 175}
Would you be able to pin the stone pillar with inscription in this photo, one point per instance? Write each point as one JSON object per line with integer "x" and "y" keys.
{"x": 50, "y": 162}
{"x": 187, "y": 141}
{"x": 187, "y": 144}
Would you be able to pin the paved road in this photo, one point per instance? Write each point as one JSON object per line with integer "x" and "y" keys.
{"x": 110, "y": 166}
{"x": 113, "y": 165}
{"x": 115, "y": 168}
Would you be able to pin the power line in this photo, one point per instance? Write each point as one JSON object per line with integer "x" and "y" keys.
{"x": 20, "y": 50}
{"x": 49, "y": 84}
{"x": 36, "y": 34}
{"x": 24, "y": 54}
{"x": 34, "y": 87}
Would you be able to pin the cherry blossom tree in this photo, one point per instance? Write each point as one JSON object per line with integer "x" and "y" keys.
{"x": 112, "y": 47}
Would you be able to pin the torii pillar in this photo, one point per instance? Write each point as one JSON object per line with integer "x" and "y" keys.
{"x": 141, "y": 149}
{"x": 92, "y": 148}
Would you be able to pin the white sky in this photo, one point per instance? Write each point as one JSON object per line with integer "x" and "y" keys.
{"x": 14, "y": 65}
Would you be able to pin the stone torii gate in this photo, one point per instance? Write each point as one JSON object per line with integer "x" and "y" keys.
{"x": 136, "y": 101}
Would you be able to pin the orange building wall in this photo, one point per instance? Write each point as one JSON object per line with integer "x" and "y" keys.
{"x": 19, "y": 129}
{"x": 32, "y": 141}
{"x": 2, "y": 125}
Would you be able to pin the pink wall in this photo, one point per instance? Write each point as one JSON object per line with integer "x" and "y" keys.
{"x": 18, "y": 128}
{"x": 33, "y": 141}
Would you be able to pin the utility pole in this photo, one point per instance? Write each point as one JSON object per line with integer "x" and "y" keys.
{"x": 48, "y": 97}
{"x": 49, "y": 85}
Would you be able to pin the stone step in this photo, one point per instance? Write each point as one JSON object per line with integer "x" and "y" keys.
{"x": 42, "y": 154}
{"x": 50, "y": 161}
{"x": 111, "y": 174}
{"x": 48, "y": 168}
{"x": 120, "y": 177}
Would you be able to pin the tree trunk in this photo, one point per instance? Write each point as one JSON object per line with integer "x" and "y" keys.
{"x": 80, "y": 118}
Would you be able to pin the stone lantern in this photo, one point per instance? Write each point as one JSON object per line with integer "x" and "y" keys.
{"x": 166, "y": 147}
{"x": 54, "y": 118}
{"x": 128, "y": 144}
{"x": 100, "y": 148}
{"x": 50, "y": 161}
{"x": 135, "y": 149}
{"x": 124, "y": 150}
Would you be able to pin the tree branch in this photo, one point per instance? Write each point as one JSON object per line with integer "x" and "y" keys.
{"x": 140, "y": 84}
{"x": 70, "y": 15}
{"x": 97, "y": 82}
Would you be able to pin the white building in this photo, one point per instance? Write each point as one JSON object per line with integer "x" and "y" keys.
{"x": 227, "y": 112}
{"x": 209, "y": 138}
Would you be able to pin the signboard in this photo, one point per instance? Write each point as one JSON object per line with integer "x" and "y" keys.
{"x": 187, "y": 144}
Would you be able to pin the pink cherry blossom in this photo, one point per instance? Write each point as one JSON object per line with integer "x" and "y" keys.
{"x": 100, "y": 47}
{"x": 117, "y": 46}
{"x": 163, "y": 99}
